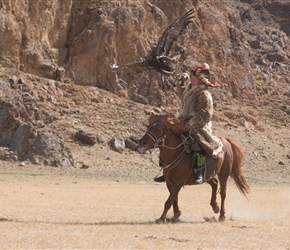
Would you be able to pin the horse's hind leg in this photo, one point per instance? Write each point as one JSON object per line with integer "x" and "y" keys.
{"x": 214, "y": 185}
{"x": 223, "y": 191}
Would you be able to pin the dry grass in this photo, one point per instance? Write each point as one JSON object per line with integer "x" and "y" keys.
{"x": 44, "y": 209}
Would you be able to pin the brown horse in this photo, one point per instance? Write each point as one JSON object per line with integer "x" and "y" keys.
{"x": 164, "y": 133}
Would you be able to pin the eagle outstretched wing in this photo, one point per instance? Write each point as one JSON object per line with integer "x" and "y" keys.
{"x": 159, "y": 59}
{"x": 171, "y": 33}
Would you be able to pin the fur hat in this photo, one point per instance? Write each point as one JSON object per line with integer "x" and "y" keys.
{"x": 204, "y": 76}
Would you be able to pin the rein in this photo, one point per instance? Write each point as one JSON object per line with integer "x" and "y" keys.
{"x": 176, "y": 161}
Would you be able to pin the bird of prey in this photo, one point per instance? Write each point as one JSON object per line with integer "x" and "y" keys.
{"x": 162, "y": 58}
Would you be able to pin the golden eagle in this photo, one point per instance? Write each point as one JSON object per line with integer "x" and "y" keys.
{"x": 161, "y": 58}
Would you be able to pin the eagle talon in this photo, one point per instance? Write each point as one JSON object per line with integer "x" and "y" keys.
{"x": 114, "y": 66}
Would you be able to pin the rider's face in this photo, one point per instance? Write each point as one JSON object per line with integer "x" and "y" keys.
{"x": 194, "y": 80}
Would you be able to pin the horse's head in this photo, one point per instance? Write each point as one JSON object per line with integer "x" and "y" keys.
{"x": 157, "y": 130}
{"x": 155, "y": 134}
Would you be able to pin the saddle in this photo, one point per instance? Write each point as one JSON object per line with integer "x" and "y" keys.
{"x": 200, "y": 158}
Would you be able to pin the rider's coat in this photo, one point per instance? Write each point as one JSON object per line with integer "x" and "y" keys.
{"x": 196, "y": 109}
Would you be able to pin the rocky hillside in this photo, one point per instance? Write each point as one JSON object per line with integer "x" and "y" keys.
{"x": 55, "y": 77}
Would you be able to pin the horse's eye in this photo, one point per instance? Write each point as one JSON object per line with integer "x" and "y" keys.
{"x": 160, "y": 130}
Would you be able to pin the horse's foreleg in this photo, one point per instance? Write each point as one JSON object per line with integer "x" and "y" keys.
{"x": 167, "y": 206}
{"x": 176, "y": 211}
{"x": 214, "y": 185}
{"x": 172, "y": 199}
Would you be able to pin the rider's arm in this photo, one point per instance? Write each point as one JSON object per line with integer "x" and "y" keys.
{"x": 181, "y": 80}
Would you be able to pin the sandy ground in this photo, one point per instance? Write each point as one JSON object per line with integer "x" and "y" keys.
{"x": 74, "y": 209}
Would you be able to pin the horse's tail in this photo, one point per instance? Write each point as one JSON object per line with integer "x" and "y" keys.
{"x": 237, "y": 173}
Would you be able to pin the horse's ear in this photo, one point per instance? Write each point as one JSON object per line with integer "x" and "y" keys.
{"x": 151, "y": 117}
{"x": 167, "y": 117}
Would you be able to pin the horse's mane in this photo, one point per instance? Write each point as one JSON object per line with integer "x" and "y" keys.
{"x": 169, "y": 120}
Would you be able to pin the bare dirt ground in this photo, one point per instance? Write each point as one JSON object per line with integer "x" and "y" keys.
{"x": 44, "y": 209}
{"x": 92, "y": 208}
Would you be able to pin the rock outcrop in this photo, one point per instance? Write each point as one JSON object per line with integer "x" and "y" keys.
{"x": 23, "y": 122}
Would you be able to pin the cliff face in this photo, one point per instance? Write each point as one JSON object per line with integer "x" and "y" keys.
{"x": 245, "y": 42}
{"x": 35, "y": 35}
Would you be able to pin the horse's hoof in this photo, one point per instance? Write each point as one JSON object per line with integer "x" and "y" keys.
{"x": 222, "y": 218}
{"x": 174, "y": 220}
{"x": 216, "y": 209}
{"x": 159, "y": 221}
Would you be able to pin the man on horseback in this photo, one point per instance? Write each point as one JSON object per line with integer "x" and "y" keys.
{"x": 196, "y": 112}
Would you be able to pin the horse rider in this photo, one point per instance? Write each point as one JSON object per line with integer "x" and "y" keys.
{"x": 196, "y": 111}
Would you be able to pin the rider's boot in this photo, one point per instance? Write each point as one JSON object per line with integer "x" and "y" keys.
{"x": 199, "y": 167}
{"x": 159, "y": 179}
{"x": 198, "y": 177}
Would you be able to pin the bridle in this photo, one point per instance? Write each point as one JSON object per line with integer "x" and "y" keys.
{"x": 162, "y": 138}
{"x": 160, "y": 142}
{"x": 154, "y": 138}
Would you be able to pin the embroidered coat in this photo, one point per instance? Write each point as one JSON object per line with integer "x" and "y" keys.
{"x": 196, "y": 109}
{"x": 196, "y": 106}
